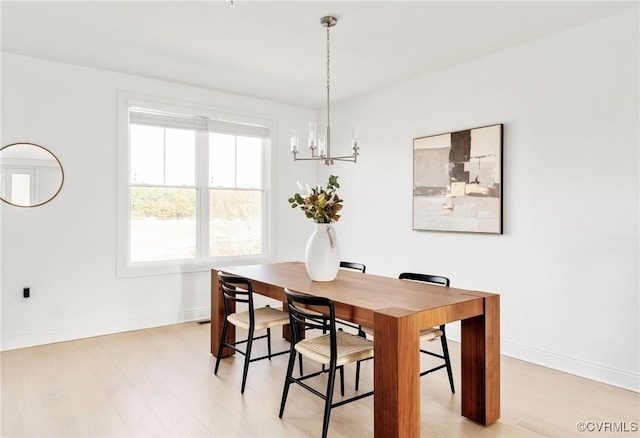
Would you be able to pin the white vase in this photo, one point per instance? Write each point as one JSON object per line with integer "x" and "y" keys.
{"x": 322, "y": 256}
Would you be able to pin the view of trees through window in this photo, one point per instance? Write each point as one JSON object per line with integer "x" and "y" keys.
{"x": 235, "y": 222}
{"x": 161, "y": 203}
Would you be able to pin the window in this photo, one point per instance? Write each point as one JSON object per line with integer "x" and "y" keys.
{"x": 195, "y": 189}
{"x": 235, "y": 196}
{"x": 17, "y": 185}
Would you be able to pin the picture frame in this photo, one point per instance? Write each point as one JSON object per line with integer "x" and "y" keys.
{"x": 457, "y": 181}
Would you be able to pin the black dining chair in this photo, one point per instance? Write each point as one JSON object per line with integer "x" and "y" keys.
{"x": 238, "y": 290}
{"x": 430, "y": 334}
{"x": 333, "y": 349}
{"x": 355, "y": 266}
{"x": 435, "y": 332}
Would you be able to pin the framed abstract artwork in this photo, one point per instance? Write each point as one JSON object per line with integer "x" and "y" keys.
{"x": 457, "y": 181}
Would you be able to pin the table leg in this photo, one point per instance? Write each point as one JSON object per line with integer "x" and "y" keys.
{"x": 480, "y": 355}
{"x": 217, "y": 318}
{"x": 396, "y": 374}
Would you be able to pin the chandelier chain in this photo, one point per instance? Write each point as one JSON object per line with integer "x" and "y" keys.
{"x": 328, "y": 138}
{"x": 328, "y": 55}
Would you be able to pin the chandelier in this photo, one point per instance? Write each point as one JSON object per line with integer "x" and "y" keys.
{"x": 320, "y": 145}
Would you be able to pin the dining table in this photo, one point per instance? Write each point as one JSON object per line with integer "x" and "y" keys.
{"x": 397, "y": 310}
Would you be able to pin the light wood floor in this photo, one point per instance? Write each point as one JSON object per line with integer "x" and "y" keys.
{"x": 160, "y": 382}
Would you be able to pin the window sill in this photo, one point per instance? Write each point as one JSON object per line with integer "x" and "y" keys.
{"x": 173, "y": 267}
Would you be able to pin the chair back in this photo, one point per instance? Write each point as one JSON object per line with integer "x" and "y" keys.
{"x": 356, "y": 266}
{"x": 427, "y": 278}
{"x": 322, "y": 317}
{"x": 236, "y": 290}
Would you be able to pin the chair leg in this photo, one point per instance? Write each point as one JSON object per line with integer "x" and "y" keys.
{"x": 324, "y": 332}
{"x": 247, "y": 359}
{"x": 447, "y": 360}
{"x": 328, "y": 401}
{"x": 287, "y": 380}
{"x": 220, "y": 346}
{"x": 300, "y": 360}
{"x": 342, "y": 381}
{"x": 293, "y": 340}
{"x": 269, "y": 342}
{"x": 361, "y": 333}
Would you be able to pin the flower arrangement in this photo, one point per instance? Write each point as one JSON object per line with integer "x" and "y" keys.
{"x": 321, "y": 204}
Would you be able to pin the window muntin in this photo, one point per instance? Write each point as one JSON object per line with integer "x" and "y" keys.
{"x": 162, "y": 156}
{"x": 235, "y": 161}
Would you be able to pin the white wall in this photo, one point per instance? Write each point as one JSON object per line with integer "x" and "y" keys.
{"x": 566, "y": 267}
{"x": 567, "y": 264}
{"x": 65, "y": 251}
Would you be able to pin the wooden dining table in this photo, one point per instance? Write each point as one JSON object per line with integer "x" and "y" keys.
{"x": 397, "y": 310}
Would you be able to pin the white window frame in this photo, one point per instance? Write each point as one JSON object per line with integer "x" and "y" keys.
{"x": 126, "y": 268}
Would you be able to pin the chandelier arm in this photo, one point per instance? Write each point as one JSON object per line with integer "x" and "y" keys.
{"x": 295, "y": 158}
{"x": 351, "y": 157}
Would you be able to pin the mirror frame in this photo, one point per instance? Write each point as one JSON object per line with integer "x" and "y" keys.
{"x": 59, "y": 165}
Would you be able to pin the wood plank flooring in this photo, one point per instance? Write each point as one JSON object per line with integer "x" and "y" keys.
{"x": 160, "y": 383}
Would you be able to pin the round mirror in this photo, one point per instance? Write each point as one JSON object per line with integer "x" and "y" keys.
{"x": 30, "y": 175}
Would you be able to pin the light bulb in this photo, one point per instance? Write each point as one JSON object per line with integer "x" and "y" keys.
{"x": 312, "y": 135}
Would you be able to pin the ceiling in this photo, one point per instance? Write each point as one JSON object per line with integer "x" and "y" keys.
{"x": 277, "y": 49}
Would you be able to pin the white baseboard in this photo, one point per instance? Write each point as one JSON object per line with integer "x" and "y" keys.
{"x": 611, "y": 376}
{"x": 32, "y": 339}
{"x": 589, "y": 370}
{"x": 99, "y": 329}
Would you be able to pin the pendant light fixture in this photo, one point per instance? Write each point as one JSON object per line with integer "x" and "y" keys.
{"x": 320, "y": 145}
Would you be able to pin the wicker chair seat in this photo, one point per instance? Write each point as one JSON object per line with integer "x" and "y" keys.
{"x": 265, "y": 317}
{"x": 425, "y": 335}
{"x": 351, "y": 348}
